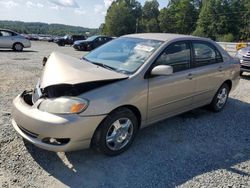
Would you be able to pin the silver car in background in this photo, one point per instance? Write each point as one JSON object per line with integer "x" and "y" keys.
{"x": 121, "y": 87}
{"x": 13, "y": 40}
{"x": 244, "y": 55}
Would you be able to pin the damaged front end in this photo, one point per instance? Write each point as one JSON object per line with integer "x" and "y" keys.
{"x": 65, "y": 76}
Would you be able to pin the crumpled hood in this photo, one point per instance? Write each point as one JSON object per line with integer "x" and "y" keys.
{"x": 63, "y": 69}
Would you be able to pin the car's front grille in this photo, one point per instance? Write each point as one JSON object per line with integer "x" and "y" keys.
{"x": 245, "y": 63}
{"x": 245, "y": 67}
{"x": 29, "y": 133}
{"x": 246, "y": 56}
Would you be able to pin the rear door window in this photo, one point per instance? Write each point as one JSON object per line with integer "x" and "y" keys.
{"x": 205, "y": 54}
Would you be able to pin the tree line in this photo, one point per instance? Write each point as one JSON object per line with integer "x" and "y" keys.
{"x": 44, "y": 28}
{"x": 221, "y": 20}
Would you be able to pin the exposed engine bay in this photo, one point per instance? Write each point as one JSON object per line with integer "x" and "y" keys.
{"x": 60, "y": 90}
{"x": 73, "y": 90}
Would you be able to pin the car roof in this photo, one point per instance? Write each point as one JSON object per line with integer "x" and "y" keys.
{"x": 7, "y": 30}
{"x": 162, "y": 36}
{"x": 98, "y": 36}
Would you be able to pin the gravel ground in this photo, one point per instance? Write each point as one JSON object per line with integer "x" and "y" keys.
{"x": 195, "y": 149}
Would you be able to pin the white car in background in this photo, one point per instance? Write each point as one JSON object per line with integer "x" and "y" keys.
{"x": 13, "y": 40}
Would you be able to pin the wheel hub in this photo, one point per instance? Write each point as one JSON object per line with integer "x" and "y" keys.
{"x": 119, "y": 134}
{"x": 222, "y": 97}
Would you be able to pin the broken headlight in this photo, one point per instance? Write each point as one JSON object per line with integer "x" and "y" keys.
{"x": 64, "y": 105}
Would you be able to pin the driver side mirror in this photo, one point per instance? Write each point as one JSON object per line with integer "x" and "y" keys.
{"x": 162, "y": 70}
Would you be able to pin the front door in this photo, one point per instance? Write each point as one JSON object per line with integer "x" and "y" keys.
{"x": 170, "y": 95}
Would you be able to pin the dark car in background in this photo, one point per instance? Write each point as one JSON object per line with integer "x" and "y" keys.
{"x": 69, "y": 39}
{"x": 91, "y": 43}
{"x": 244, "y": 55}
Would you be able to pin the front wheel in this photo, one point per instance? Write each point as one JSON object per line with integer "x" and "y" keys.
{"x": 61, "y": 44}
{"x": 220, "y": 98}
{"x": 116, "y": 133}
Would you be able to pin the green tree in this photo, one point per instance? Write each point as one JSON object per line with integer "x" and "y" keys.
{"x": 179, "y": 17}
{"x": 236, "y": 18}
{"x": 149, "y": 20}
{"x": 122, "y": 17}
{"x": 245, "y": 26}
{"x": 43, "y": 28}
{"x": 218, "y": 18}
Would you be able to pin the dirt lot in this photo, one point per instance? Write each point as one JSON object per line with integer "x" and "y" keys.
{"x": 195, "y": 149}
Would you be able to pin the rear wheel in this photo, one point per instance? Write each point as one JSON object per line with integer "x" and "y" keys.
{"x": 220, "y": 98}
{"x": 116, "y": 133}
{"x": 18, "y": 47}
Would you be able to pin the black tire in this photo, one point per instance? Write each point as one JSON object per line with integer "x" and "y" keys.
{"x": 82, "y": 48}
{"x": 18, "y": 47}
{"x": 99, "y": 140}
{"x": 61, "y": 44}
{"x": 241, "y": 73}
{"x": 216, "y": 105}
{"x": 89, "y": 47}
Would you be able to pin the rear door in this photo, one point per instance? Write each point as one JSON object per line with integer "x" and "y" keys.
{"x": 208, "y": 70}
{"x": 170, "y": 95}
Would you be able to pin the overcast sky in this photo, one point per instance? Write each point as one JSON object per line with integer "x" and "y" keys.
{"x": 86, "y": 13}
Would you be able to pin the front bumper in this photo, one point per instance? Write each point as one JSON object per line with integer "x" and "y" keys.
{"x": 27, "y": 44}
{"x": 51, "y": 131}
{"x": 76, "y": 47}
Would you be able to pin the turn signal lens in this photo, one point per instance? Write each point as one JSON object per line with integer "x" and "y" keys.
{"x": 76, "y": 108}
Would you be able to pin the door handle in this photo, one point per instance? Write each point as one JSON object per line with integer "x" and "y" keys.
{"x": 220, "y": 68}
{"x": 190, "y": 76}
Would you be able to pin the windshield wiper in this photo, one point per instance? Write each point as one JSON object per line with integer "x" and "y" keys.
{"x": 101, "y": 64}
{"x": 84, "y": 58}
{"x": 104, "y": 66}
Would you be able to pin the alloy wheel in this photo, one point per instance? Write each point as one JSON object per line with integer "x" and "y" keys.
{"x": 119, "y": 134}
{"x": 222, "y": 98}
{"x": 18, "y": 47}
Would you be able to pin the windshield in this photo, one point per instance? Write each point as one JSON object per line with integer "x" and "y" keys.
{"x": 91, "y": 38}
{"x": 124, "y": 54}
